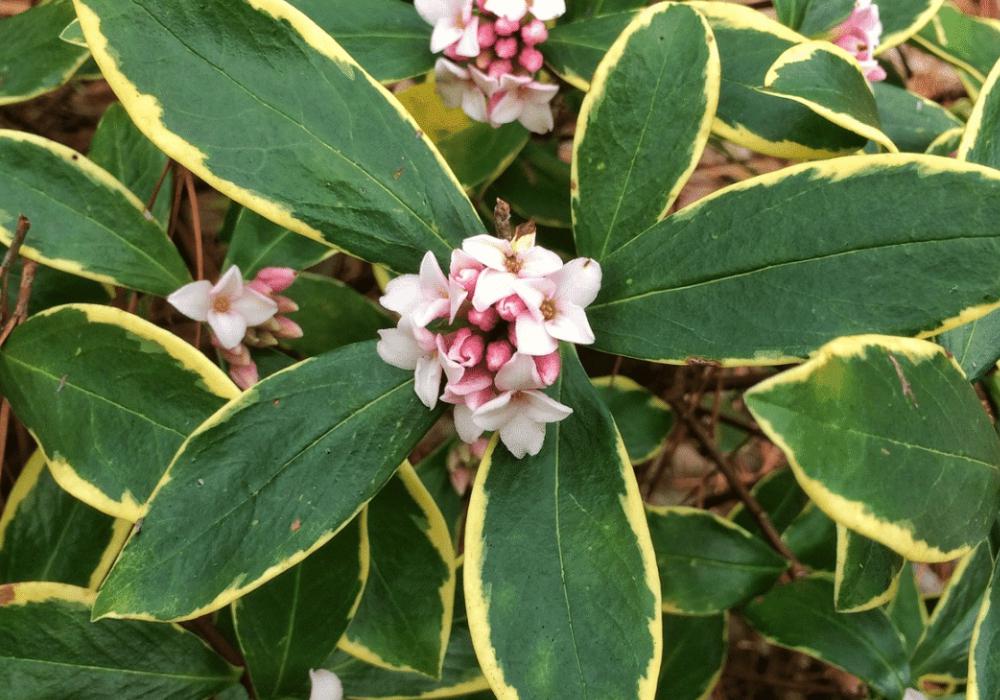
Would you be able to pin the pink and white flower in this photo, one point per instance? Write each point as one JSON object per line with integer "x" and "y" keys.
{"x": 520, "y": 98}
{"x": 412, "y": 347}
{"x": 325, "y": 685}
{"x": 229, "y": 307}
{"x": 860, "y": 35}
{"x": 507, "y": 268}
{"x": 560, "y": 315}
{"x": 424, "y": 297}
{"x": 454, "y": 25}
{"x": 458, "y": 89}
{"x": 517, "y": 9}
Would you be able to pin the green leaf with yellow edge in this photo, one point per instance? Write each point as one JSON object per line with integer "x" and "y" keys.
{"x": 801, "y": 616}
{"x": 285, "y": 122}
{"x": 292, "y": 623}
{"x": 694, "y": 654}
{"x": 476, "y": 152}
{"x": 912, "y": 122}
{"x": 907, "y": 610}
{"x": 387, "y": 37}
{"x": 255, "y": 243}
{"x": 947, "y": 143}
{"x": 47, "y": 535}
{"x": 867, "y": 427}
{"x": 561, "y": 584}
{"x": 900, "y": 19}
{"x": 536, "y": 185}
{"x": 331, "y": 315}
{"x": 708, "y": 564}
{"x": 829, "y": 81}
{"x": 983, "y": 674}
{"x": 643, "y": 418}
{"x": 643, "y": 126}
{"x": 49, "y": 648}
{"x": 578, "y": 9}
{"x": 72, "y": 33}
{"x": 969, "y": 43}
{"x": 108, "y": 435}
{"x": 980, "y": 143}
{"x": 781, "y": 498}
{"x": 33, "y": 60}
{"x": 54, "y": 288}
{"x": 812, "y": 537}
{"x": 434, "y": 472}
{"x": 83, "y": 221}
{"x": 669, "y": 295}
{"x": 943, "y": 652}
{"x": 574, "y": 49}
{"x": 975, "y": 346}
{"x": 406, "y": 611}
{"x": 265, "y": 482}
{"x": 867, "y": 574}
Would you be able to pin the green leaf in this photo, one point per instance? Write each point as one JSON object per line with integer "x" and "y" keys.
{"x": 821, "y": 18}
{"x": 578, "y": 9}
{"x": 671, "y": 293}
{"x": 911, "y": 121}
{"x": 829, "y": 81}
{"x": 791, "y": 12}
{"x": 969, "y": 43}
{"x": 53, "y": 288}
{"x": 121, "y": 149}
{"x": 984, "y": 675}
{"x": 946, "y": 144}
{"x": 801, "y": 616}
{"x": 50, "y": 649}
{"x": 943, "y": 652}
{"x": 435, "y": 475}
{"x": 643, "y": 126}
{"x": 536, "y": 185}
{"x": 547, "y": 541}
{"x": 980, "y": 143}
{"x": 33, "y": 60}
{"x": 256, "y": 243}
{"x": 866, "y": 426}
{"x": 900, "y": 19}
{"x": 907, "y": 610}
{"x": 264, "y": 482}
{"x": 47, "y": 535}
{"x": 975, "y": 346}
{"x": 780, "y": 496}
{"x": 644, "y": 419}
{"x": 292, "y": 623}
{"x": 694, "y": 653}
{"x": 387, "y": 37}
{"x": 574, "y": 49}
{"x": 72, "y": 33}
{"x": 812, "y": 537}
{"x": 60, "y": 191}
{"x": 867, "y": 572}
{"x": 108, "y": 435}
{"x": 285, "y": 123}
{"x": 707, "y": 564}
{"x": 331, "y": 314}
{"x": 405, "y": 615}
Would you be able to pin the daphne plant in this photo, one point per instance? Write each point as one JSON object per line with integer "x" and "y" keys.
{"x": 668, "y": 409}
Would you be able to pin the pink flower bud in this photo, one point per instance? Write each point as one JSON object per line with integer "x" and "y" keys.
{"x": 478, "y": 448}
{"x": 506, "y": 48}
{"x": 285, "y": 305}
{"x": 487, "y": 36}
{"x": 261, "y": 287}
{"x": 535, "y": 32}
{"x": 484, "y": 320}
{"x": 465, "y": 347}
{"x": 287, "y": 328}
{"x": 506, "y": 27}
{"x": 498, "y": 353}
{"x": 460, "y": 478}
{"x": 240, "y": 355}
{"x": 531, "y": 59}
{"x": 484, "y": 60}
{"x": 548, "y": 367}
{"x": 452, "y": 52}
{"x": 277, "y": 278}
{"x": 244, "y": 376}
{"x": 510, "y": 307}
{"x": 481, "y": 4}
{"x": 498, "y": 69}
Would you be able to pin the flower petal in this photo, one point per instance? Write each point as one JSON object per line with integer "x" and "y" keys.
{"x": 193, "y": 300}
{"x": 537, "y": 118}
{"x": 539, "y": 262}
{"x": 523, "y": 436}
{"x": 543, "y": 408}
{"x": 468, "y": 45}
{"x": 445, "y": 33}
{"x": 325, "y": 685}
{"x": 402, "y": 294}
{"x": 488, "y": 250}
{"x": 427, "y": 380}
{"x": 254, "y": 307}
{"x": 533, "y": 337}
{"x": 520, "y": 374}
{"x": 510, "y": 9}
{"x": 548, "y": 9}
{"x": 427, "y": 311}
{"x": 465, "y": 425}
{"x": 571, "y": 325}
{"x": 579, "y": 281}
{"x": 398, "y": 348}
{"x": 229, "y": 327}
{"x": 474, "y": 104}
{"x": 433, "y": 283}
{"x": 495, "y": 413}
{"x": 433, "y": 11}
{"x": 507, "y": 109}
{"x": 230, "y": 284}
{"x": 491, "y": 287}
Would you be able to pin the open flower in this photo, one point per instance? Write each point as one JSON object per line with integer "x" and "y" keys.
{"x": 507, "y": 265}
{"x": 426, "y": 296}
{"x": 454, "y": 25}
{"x": 325, "y": 685}
{"x": 458, "y": 89}
{"x": 860, "y": 35}
{"x": 519, "y": 98}
{"x": 560, "y": 315}
{"x": 409, "y": 346}
{"x": 229, "y": 307}
{"x": 517, "y": 9}
{"x": 520, "y": 412}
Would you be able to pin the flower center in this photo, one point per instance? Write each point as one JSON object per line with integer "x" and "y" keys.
{"x": 513, "y": 264}
{"x": 221, "y": 305}
{"x": 548, "y": 309}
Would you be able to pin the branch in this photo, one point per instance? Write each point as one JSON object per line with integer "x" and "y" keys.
{"x": 8, "y": 260}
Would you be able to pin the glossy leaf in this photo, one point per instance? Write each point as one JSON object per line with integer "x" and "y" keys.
{"x": 969, "y": 43}
{"x": 865, "y": 425}
{"x": 907, "y": 610}
{"x": 108, "y": 436}
{"x": 791, "y": 12}
{"x": 911, "y": 121}
{"x": 943, "y": 651}
{"x": 578, "y": 9}
{"x": 47, "y": 535}
{"x": 547, "y": 540}
{"x": 644, "y": 419}
{"x": 406, "y": 611}
{"x": 867, "y": 572}
{"x": 54, "y": 288}
{"x": 83, "y": 221}
{"x": 72, "y": 33}
{"x": 33, "y": 60}
{"x": 255, "y": 242}
{"x": 671, "y": 293}
{"x": 801, "y": 616}
{"x": 575, "y": 48}
{"x": 265, "y": 482}
{"x": 292, "y": 623}
{"x": 49, "y": 648}
{"x": 781, "y": 498}
{"x": 292, "y": 129}
{"x": 387, "y": 37}
{"x": 984, "y": 676}
{"x": 536, "y": 185}
{"x": 707, "y": 564}
{"x": 980, "y": 143}
{"x": 812, "y": 537}
{"x": 829, "y": 81}
{"x": 900, "y": 18}
{"x": 946, "y": 144}
{"x": 975, "y": 346}
{"x": 694, "y": 654}
{"x": 643, "y": 126}
{"x": 434, "y": 473}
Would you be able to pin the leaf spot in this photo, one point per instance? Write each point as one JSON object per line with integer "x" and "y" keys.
{"x": 296, "y": 525}
{"x": 903, "y": 383}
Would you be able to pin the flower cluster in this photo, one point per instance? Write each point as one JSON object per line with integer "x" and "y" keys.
{"x": 500, "y": 314}
{"x": 860, "y": 35}
{"x": 241, "y": 315}
{"x": 492, "y": 58}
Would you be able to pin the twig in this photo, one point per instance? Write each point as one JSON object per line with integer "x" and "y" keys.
{"x": 737, "y": 422}
{"x": 751, "y": 503}
{"x": 8, "y": 260}
{"x": 23, "y": 298}
{"x": 199, "y": 252}
{"x": 156, "y": 190}
{"x": 4, "y": 426}
{"x": 501, "y": 219}
{"x": 203, "y": 627}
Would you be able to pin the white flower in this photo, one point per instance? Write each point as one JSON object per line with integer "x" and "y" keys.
{"x": 325, "y": 685}
{"x": 560, "y": 316}
{"x": 409, "y": 346}
{"x": 453, "y": 23}
{"x": 520, "y": 412}
{"x": 507, "y": 267}
{"x": 518, "y": 98}
{"x": 458, "y": 89}
{"x": 230, "y": 307}
{"x": 426, "y": 296}
{"x": 517, "y": 9}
